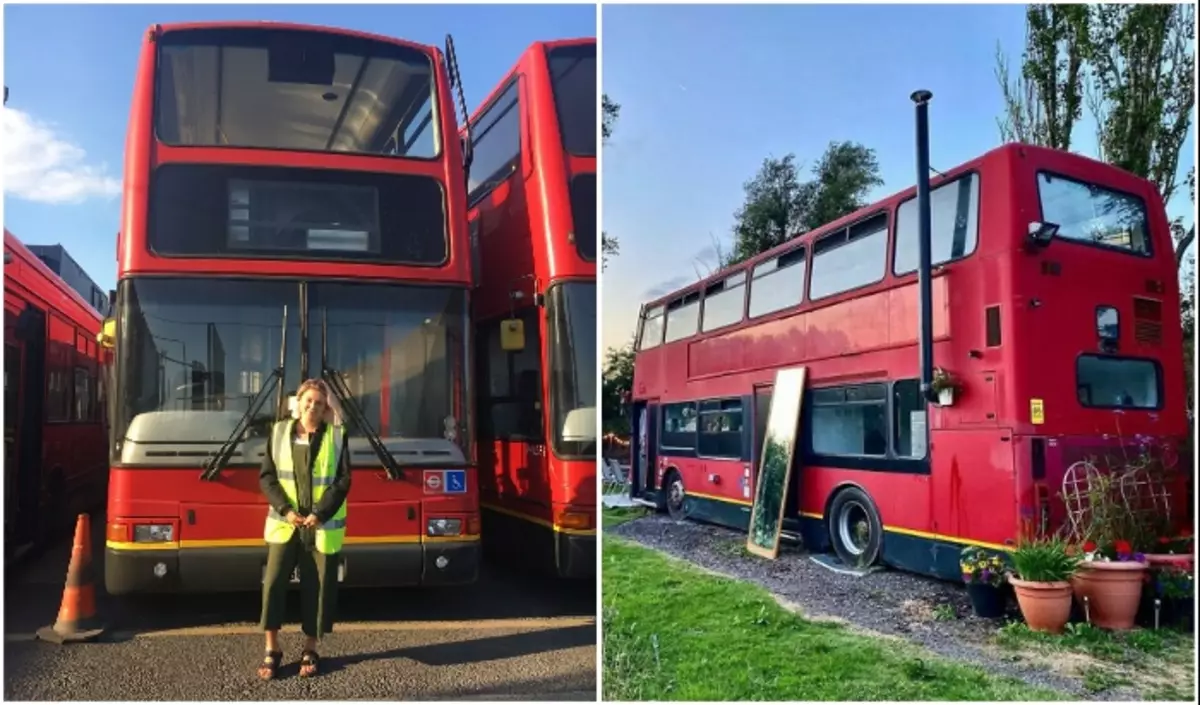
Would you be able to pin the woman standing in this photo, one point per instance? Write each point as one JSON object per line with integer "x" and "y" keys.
{"x": 305, "y": 476}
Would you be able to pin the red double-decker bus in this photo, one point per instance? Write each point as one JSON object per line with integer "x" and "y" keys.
{"x": 1049, "y": 295}
{"x": 532, "y": 201}
{"x": 55, "y": 462}
{"x": 294, "y": 207}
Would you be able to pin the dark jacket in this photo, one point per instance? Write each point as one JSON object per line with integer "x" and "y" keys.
{"x": 335, "y": 494}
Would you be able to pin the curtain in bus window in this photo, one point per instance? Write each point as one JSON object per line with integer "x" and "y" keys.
{"x": 289, "y": 89}
{"x": 954, "y": 224}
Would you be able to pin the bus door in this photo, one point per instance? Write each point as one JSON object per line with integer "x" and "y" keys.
{"x": 642, "y": 456}
{"x": 24, "y": 391}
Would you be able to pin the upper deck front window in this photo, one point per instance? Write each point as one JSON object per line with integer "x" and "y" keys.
{"x": 298, "y": 90}
{"x": 573, "y": 78}
{"x": 1093, "y": 214}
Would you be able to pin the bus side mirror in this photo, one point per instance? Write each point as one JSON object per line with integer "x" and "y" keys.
{"x": 1040, "y": 234}
{"x": 107, "y": 337}
{"x": 512, "y": 335}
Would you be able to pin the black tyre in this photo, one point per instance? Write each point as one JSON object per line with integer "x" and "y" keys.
{"x": 855, "y": 528}
{"x": 674, "y": 495}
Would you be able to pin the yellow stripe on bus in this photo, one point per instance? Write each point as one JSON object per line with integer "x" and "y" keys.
{"x": 254, "y": 543}
{"x": 537, "y": 520}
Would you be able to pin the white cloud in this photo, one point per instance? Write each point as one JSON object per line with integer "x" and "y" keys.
{"x": 40, "y": 166}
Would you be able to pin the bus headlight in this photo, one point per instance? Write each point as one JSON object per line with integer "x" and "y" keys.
{"x": 444, "y": 527}
{"x": 153, "y": 533}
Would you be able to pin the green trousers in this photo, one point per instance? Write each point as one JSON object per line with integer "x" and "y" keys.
{"x": 318, "y": 586}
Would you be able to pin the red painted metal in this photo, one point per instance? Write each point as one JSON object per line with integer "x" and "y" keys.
{"x": 981, "y": 487}
{"x": 66, "y": 472}
{"x": 228, "y": 513}
{"x": 525, "y": 229}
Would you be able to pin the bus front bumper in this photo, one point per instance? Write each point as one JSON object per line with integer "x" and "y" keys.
{"x": 240, "y": 568}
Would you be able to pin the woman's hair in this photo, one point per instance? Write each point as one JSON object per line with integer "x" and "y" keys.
{"x": 333, "y": 410}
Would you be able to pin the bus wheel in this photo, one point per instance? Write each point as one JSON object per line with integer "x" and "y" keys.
{"x": 675, "y": 495}
{"x": 855, "y": 528}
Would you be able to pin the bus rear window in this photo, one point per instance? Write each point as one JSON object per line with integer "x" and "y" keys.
{"x": 289, "y": 89}
{"x": 1093, "y": 214}
{"x": 1118, "y": 382}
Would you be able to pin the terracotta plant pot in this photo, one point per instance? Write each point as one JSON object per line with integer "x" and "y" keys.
{"x": 1045, "y": 606}
{"x": 1111, "y": 591}
{"x": 1172, "y": 560}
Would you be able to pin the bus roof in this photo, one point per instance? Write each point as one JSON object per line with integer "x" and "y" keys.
{"x": 501, "y": 84}
{"x": 268, "y": 24}
{"x": 31, "y": 260}
{"x": 807, "y": 238}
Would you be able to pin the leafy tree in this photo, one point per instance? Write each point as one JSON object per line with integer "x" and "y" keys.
{"x": 609, "y": 246}
{"x": 617, "y": 381}
{"x": 779, "y": 205}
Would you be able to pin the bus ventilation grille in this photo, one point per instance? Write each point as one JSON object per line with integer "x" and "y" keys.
{"x": 1147, "y": 321}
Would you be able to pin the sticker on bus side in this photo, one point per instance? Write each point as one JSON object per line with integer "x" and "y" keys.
{"x": 456, "y": 482}
{"x": 1037, "y": 411}
{"x": 433, "y": 482}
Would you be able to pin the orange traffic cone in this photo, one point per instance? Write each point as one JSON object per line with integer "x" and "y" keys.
{"x": 77, "y": 619}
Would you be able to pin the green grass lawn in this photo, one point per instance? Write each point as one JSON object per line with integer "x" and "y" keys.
{"x": 673, "y": 632}
{"x": 612, "y": 516}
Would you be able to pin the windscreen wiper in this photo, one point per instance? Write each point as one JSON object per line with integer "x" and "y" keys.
{"x": 337, "y": 385}
{"x": 216, "y": 462}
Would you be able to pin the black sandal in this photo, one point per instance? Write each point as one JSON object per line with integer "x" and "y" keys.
{"x": 269, "y": 665}
{"x": 310, "y": 659}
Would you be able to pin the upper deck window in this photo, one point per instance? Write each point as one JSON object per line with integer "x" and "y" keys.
{"x": 652, "y": 329}
{"x": 778, "y": 283}
{"x": 496, "y": 139}
{"x": 1093, "y": 214}
{"x": 573, "y": 79}
{"x": 683, "y": 317}
{"x": 583, "y": 214}
{"x": 293, "y": 89}
{"x": 954, "y": 225}
{"x": 723, "y": 302}
{"x": 849, "y": 258}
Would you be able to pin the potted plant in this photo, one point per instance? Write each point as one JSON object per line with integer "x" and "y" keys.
{"x": 1109, "y": 583}
{"x": 1041, "y": 575}
{"x": 1175, "y": 551}
{"x": 983, "y": 572}
{"x": 944, "y": 385}
{"x": 1175, "y": 588}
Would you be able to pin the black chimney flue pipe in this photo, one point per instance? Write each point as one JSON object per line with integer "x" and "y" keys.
{"x": 924, "y": 266}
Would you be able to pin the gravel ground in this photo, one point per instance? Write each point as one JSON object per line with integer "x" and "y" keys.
{"x": 506, "y": 637}
{"x": 884, "y": 602}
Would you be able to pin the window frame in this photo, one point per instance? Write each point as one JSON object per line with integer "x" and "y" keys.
{"x": 895, "y": 237}
{"x": 510, "y": 166}
{"x": 721, "y": 409}
{"x": 723, "y": 283}
{"x": 1148, "y": 254}
{"x": 486, "y": 333}
{"x": 1159, "y": 391}
{"x": 891, "y": 461}
{"x": 845, "y": 232}
{"x": 804, "y": 249}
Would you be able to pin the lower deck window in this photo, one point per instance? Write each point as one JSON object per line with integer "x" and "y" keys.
{"x": 1117, "y": 382}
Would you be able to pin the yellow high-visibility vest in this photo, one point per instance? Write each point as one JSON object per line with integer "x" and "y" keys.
{"x": 333, "y": 532}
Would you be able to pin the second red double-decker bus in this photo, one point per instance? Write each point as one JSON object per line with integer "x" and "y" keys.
{"x": 533, "y": 223}
{"x": 54, "y": 444}
{"x": 294, "y": 207}
{"x": 1048, "y": 299}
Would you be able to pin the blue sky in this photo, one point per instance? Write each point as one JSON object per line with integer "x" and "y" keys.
{"x": 707, "y": 92}
{"x": 70, "y": 77}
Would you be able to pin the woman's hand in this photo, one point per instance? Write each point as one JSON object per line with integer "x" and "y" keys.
{"x": 294, "y": 519}
{"x": 312, "y": 522}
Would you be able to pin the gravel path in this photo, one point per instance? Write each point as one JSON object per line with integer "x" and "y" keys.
{"x": 886, "y": 602}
